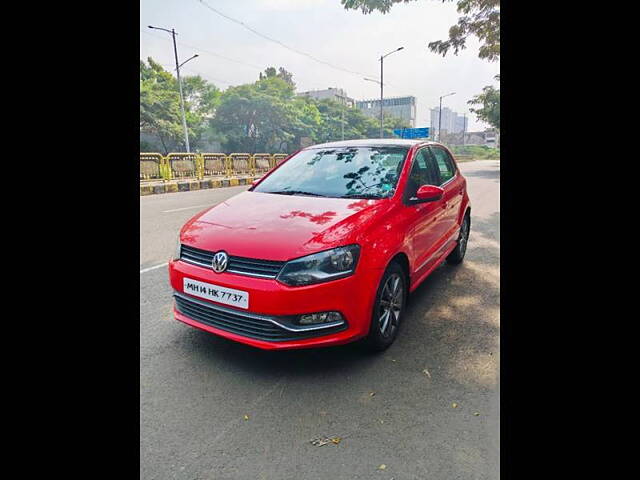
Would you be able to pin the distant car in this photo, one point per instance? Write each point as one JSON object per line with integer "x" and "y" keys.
{"x": 325, "y": 248}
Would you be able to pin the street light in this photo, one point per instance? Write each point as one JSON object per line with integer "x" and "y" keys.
{"x": 440, "y": 113}
{"x": 382, "y": 85}
{"x": 191, "y": 58}
{"x": 175, "y": 51}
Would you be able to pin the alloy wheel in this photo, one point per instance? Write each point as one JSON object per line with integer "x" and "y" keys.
{"x": 390, "y": 305}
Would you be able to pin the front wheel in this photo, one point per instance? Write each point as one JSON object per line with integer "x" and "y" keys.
{"x": 388, "y": 309}
{"x": 457, "y": 255}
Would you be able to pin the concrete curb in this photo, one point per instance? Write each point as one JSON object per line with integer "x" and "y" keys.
{"x": 172, "y": 186}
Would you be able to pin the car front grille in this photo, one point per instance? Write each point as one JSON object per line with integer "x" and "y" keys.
{"x": 241, "y": 323}
{"x": 241, "y": 265}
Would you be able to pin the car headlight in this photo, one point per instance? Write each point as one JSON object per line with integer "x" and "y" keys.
{"x": 321, "y": 267}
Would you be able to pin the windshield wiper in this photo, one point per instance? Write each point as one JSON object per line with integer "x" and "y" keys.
{"x": 362, "y": 195}
{"x": 297, "y": 192}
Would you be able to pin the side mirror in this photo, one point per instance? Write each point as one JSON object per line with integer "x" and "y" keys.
{"x": 429, "y": 193}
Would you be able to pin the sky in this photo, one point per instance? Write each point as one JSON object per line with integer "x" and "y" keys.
{"x": 229, "y": 54}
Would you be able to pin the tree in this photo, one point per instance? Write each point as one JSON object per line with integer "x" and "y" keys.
{"x": 281, "y": 73}
{"x": 160, "y": 113}
{"x": 489, "y": 101}
{"x": 159, "y": 104}
{"x": 480, "y": 18}
{"x": 259, "y": 117}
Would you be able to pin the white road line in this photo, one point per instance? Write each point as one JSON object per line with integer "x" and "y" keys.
{"x": 144, "y": 270}
{"x": 185, "y": 208}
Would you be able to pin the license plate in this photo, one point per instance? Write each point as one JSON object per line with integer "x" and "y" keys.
{"x": 216, "y": 293}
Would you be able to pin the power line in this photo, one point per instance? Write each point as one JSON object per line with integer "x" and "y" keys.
{"x": 266, "y": 37}
{"x": 205, "y": 51}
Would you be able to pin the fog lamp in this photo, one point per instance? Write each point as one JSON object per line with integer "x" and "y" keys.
{"x": 320, "y": 317}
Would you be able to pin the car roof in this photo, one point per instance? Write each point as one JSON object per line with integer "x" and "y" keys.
{"x": 372, "y": 142}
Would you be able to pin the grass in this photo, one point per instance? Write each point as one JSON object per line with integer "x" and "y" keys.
{"x": 478, "y": 152}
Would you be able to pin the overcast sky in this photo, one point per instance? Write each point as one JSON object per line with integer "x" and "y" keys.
{"x": 328, "y": 32}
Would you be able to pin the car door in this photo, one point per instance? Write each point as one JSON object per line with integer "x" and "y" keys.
{"x": 424, "y": 216}
{"x": 453, "y": 185}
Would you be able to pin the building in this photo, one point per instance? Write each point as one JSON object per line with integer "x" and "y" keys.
{"x": 400, "y": 107}
{"x": 331, "y": 93}
{"x": 451, "y": 121}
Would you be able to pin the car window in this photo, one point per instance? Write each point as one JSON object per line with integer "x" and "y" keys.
{"x": 343, "y": 172}
{"x": 444, "y": 163}
{"x": 423, "y": 172}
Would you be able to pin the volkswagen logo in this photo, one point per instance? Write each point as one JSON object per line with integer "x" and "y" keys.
{"x": 220, "y": 262}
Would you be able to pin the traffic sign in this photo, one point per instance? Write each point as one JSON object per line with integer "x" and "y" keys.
{"x": 412, "y": 132}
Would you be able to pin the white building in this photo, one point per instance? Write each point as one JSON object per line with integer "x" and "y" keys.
{"x": 400, "y": 107}
{"x": 451, "y": 121}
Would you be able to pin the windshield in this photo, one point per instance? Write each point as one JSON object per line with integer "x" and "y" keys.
{"x": 347, "y": 172}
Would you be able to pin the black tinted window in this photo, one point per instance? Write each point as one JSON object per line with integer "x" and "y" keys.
{"x": 422, "y": 173}
{"x": 444, "y": 163}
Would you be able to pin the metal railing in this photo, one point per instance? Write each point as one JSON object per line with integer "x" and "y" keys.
{"x": 155, "y": 166}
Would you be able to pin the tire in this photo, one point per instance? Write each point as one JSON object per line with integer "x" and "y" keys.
{"x": 457, "y": 255}
{"x": 386, "y": 321}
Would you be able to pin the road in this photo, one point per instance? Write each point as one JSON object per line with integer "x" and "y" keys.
{"x": 394, "y": 409}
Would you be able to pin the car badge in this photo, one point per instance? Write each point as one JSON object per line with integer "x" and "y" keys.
{"x": 220, "y": 262}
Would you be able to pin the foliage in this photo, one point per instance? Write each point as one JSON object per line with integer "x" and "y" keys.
{"x": 489, "y": 105}
{"x": 160, "y": 113}
{"x": 476, "y": 151}
{"x": 480, "y": 18}
{"x": 264, "y": 116}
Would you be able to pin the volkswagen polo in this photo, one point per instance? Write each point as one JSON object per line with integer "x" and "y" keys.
{"x": 325, "y": 248}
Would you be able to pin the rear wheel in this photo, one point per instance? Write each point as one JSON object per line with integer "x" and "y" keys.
{"x": 388, "y": 309}
{"x": 457, "y": 255}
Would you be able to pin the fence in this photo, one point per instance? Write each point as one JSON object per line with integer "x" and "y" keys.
{"x": 154, "y": 166}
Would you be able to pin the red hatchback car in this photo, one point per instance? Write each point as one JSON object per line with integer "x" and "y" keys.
{"x": 325, "y": 248}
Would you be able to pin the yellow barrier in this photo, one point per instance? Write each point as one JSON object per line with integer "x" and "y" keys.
{"x": 152, "y": 166}
{"x": 184, "y": 165}
{"x": 214, "y": 164}
{"x": 262, "y": 163}
{"x": 241, "y": 164}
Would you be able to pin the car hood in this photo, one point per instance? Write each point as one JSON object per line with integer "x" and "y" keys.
{"x": 279, "y": 227}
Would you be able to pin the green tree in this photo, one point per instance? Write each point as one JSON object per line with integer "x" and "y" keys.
{"x": 480, "y": 18}
{"x": 489, "y": 105}
{"x": 160, "y": 113}
{"x": 159, "y": 104}
{"x": 258, "y": 117}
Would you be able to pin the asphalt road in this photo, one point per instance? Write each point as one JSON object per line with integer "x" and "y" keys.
{"x": 195, "y": 388}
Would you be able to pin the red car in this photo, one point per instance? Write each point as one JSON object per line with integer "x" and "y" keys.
{"x": 325, "y": 248}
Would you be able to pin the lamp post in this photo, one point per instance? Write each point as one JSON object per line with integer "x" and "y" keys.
{"x": 382, "y": 85}
{"x": 178, "y": 65}
{"x": 464, "y": 128}
{"x": 440, "y": 114}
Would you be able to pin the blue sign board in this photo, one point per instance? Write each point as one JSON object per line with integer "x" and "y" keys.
{"x": 412, "y": 132}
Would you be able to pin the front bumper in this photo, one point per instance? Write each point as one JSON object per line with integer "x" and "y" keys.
{"x": 352, "y": 296}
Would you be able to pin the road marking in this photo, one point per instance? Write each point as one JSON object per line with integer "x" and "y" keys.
{"x": 144, "y": 270}
{"x": 185, "y": 208}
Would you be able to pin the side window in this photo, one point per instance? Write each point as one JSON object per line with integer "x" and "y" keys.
{"x": 445, "y": 164}
{"x": 422, "y": 172}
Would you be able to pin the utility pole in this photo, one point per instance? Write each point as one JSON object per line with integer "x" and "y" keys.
{"x": 175, "y": 51}
{"x": 382, "y": 88}
{"x": 464, "y": 128}
{"x": 440, "y": 115}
